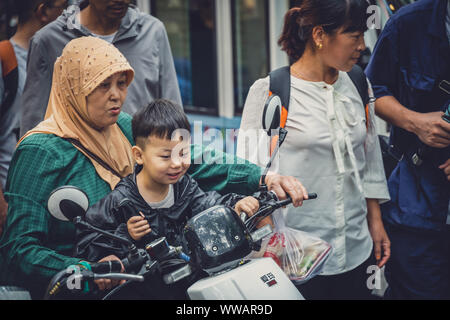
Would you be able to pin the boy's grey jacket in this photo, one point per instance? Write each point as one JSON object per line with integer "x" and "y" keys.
{"x": 141, "y": 38}
{"x": 112, "y": 213}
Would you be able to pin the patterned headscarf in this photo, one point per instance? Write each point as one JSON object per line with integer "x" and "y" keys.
{"x": 84, "y": 64}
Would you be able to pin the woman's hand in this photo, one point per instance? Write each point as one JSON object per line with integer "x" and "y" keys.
{"x": 108, "y": 284}
{"x": 286, "y": 185}
{"x": 138, "y": 227}
{"x": 381, "y": 242}
{"x": 446, "y": 168}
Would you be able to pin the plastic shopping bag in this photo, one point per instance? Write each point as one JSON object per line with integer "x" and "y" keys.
{"x": 300, "y": 255}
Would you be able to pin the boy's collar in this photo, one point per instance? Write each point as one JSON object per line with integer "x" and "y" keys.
{"x": 137, "y": 169}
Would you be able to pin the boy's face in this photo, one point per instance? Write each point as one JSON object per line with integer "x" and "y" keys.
{"x": 164, "y": 161}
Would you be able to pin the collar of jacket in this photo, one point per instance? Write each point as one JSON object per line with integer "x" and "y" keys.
{"x": 130, "y": 183}
{"x": 129, "y": 26}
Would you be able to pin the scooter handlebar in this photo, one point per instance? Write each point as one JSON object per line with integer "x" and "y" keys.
{"x": 119, "y": 276}
{"x": 282, "y": 203}
{"x": 268, "y": 208}
{"x": 113, "y": 266}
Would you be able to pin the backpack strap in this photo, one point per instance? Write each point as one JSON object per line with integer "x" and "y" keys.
{"x": 280, "y": 84}
{"x": 359, "y": 79}
{"x": 10, "y": 75}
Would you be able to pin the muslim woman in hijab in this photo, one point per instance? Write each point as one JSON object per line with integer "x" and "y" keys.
{"x": 85, "y": 141}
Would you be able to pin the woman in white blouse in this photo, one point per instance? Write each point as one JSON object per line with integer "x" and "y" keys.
{"x": 328, "y": 146}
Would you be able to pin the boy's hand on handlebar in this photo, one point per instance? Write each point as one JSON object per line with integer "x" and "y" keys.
{"x": 248, "y": 205}
{"x": 287, "y": 185}
{"x": 107, "y": 284}
{"x": 138, "y": 227}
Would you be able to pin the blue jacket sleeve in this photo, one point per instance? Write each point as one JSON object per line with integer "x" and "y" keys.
{"x": 382, "y": 70}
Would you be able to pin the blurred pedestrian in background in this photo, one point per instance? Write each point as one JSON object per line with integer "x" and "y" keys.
{"x": 32, "y": 16}
{"x": 410, "y": 74}
{"x": 141, "y": 38}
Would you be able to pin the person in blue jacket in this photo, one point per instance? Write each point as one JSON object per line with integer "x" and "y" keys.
{"x": 410, "y": 74}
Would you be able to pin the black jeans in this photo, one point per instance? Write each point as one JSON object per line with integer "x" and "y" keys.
{"x": 351, "y": 285}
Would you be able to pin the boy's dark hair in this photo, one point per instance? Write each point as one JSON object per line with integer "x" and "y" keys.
{"x": 300, "y": 21}
{"x": 160, "y": 118}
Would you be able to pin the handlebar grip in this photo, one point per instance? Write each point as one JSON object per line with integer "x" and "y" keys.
{"x": 107, "y": 267}
{"x": 288, "y": 201}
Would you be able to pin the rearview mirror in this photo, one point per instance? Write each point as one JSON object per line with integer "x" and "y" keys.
{"x": 68, "y": 202}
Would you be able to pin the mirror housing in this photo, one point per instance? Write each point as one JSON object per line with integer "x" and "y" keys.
{"x": 272, "y": 114}
{"x": 67, "y": 202}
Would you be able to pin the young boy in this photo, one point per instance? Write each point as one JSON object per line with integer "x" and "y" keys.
{"x": 158, "y": 198}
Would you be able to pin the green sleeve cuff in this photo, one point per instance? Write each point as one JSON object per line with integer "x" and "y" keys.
{"x": 85, "y": 264}
{"x": 254, "y": 178}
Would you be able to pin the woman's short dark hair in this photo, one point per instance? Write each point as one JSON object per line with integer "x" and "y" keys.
{"x": 300, "y": 21}
{"x": 160, "y": 118}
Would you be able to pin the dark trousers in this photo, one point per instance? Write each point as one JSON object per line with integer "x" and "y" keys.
{"x": 419, "y": 267}
{"x": 351, "y": 285}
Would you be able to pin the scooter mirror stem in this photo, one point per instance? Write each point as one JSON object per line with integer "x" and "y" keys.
{"x": 281, "y": 137}
{"x": 79, "y": 222}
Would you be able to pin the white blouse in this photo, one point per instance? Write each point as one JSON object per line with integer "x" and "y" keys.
{"x": 331, "y": 151}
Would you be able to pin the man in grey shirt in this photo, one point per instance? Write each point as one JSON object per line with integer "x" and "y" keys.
{"x": 141, "y": 38}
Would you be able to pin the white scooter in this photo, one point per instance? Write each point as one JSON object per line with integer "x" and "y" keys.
{"x": 218, "y": 242}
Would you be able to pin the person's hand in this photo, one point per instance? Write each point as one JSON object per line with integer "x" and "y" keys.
{"x": 381, "y": 242}
{"x": 108, "y": 284}
{"x": 432, "y": 129}
{"x": 138, "y": 227}
{"x": 3, "y": 211}
{"x": 248, "y": 205}
{"x": 286, "y": 185}
{"x": 446, "y": 168}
